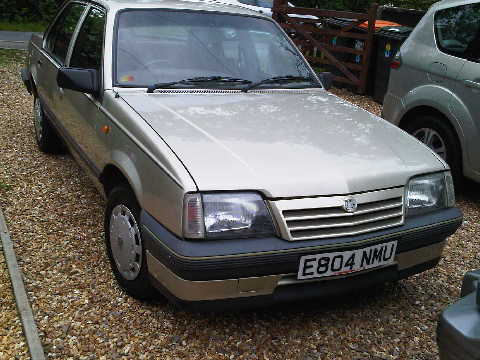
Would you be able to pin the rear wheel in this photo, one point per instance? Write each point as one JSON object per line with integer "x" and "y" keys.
{"x": 124, "y": 243}
{"x": 439, "y": 136}
{"x": 47, "y": 139}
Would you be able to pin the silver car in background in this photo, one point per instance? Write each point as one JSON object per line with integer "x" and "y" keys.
{"x": 232, "y": 176}
{"x": 434, "y": 87}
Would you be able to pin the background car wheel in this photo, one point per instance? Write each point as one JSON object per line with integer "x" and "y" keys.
{"x": 47, "y": 139}
{"x": 441, "y": 138}
{"x": 124, "y": 244}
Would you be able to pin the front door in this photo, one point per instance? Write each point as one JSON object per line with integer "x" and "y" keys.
{"x": 55, "y": 51}
{"x": 81, "y": 115}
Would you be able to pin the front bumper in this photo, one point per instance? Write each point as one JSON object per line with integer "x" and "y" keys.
{"x": 263, "y": 271}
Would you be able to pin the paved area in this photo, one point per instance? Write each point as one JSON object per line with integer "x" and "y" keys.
{"x": 14, "y": 39}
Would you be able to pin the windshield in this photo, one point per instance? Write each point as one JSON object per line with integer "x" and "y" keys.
{"x": 160, "y": 46}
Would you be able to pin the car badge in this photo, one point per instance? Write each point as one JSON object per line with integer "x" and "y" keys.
{"x": 350, "y": 205}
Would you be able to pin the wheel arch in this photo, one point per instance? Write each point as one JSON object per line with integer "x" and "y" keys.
{"x": 410, "y": 115}
{"x": 425, "y": 110}
{"x": 112, "y": 175}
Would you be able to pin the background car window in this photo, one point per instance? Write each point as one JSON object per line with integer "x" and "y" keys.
{"x": 87, "y": 52}
{"x": 457, "y": 31}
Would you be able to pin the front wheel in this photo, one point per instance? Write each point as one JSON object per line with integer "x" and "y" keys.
{"x": 441, "y": 138}
{"x": 124, "y": 244}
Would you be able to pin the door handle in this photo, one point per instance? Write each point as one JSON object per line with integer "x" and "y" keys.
{"x": 471, "y": 84}
{"x": 39, "y": 62}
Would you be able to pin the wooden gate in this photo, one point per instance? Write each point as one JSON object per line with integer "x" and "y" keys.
{"x": 337, "y": 41}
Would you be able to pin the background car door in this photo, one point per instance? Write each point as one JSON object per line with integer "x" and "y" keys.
{"x": 56, "y": 47}
{"x": 80, "y": 114}
{"x": 458, "y": 36}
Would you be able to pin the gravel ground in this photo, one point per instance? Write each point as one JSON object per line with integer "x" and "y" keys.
{"x": 12, "y": 341}
{"x": 55, "y": 218}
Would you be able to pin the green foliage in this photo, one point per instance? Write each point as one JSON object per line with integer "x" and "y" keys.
{"x": 18, "y": 11}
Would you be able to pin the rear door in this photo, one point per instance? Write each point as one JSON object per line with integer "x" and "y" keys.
{"x": 458, "y": 36}
{"x": 54, "y": 54}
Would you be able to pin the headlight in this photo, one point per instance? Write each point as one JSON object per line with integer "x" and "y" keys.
{"x": 429, "y": 193}
{"x": 226, "y": 215}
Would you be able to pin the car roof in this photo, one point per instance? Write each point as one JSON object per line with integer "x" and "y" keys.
{"x": 200, "y": 5}
{"x": 451, "y": 3}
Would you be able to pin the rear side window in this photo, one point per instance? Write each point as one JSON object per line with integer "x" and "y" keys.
{"x": 457, "y": 31}
{"x": 61, "y": 32}
{"x": 87, "y": 53}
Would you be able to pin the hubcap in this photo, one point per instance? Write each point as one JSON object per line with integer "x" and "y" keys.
{"x": 433, "y": 140}
{"x": 38, "y": 119}
{"x": 125, "y": 242}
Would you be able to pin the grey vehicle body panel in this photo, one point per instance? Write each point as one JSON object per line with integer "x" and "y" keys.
{"x": 433, "y": 79}
{"x": 458, "y": 331}
{"x": 304, "y": 145}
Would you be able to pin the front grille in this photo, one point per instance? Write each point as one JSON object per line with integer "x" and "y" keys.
{"x": 319, "y": 218}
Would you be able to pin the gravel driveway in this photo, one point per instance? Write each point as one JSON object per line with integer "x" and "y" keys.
{"x": 55, "y": 217}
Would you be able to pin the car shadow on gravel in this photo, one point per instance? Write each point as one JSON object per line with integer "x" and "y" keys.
{"x": 468, "y": 190}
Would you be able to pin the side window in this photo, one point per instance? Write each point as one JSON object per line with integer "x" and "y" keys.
{"x": 61, "y": 33}
{"x": 457, "y": 31}
{"x": 87, "y": 52}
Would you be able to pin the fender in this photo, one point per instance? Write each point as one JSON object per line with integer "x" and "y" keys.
{"x": 127, "y": 167}
{"x": 451, "y": 106}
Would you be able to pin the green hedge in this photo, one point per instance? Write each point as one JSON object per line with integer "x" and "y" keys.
{"x": 28, "y": 10}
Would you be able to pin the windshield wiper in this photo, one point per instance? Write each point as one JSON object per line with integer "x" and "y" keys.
{"x": 198, "y": 79}
{"x": 278, "y": 79}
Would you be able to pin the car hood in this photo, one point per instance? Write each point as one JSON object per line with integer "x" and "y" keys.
{"x": 286, "y": 143}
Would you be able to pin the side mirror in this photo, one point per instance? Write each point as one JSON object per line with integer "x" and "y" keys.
{"x": 82, "y": 80}
{"x": 327, "y": 79}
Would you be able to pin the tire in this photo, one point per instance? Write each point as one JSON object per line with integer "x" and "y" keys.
{"x": 47, "y": 138}
{"x": 439, "y": 136}
{"x": 122, "y": 233}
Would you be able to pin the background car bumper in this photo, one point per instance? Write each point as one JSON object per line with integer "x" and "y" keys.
{"x": 182, "y": 271}
{"x": 458, "y": 331}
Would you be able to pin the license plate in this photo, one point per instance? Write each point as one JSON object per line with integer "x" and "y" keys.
{"x": 346, "y": 262}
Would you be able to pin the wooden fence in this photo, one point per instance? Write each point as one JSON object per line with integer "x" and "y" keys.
{"x": 332, "y": 40}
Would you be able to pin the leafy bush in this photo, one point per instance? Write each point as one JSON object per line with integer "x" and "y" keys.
{"x": 28, "y": 10}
